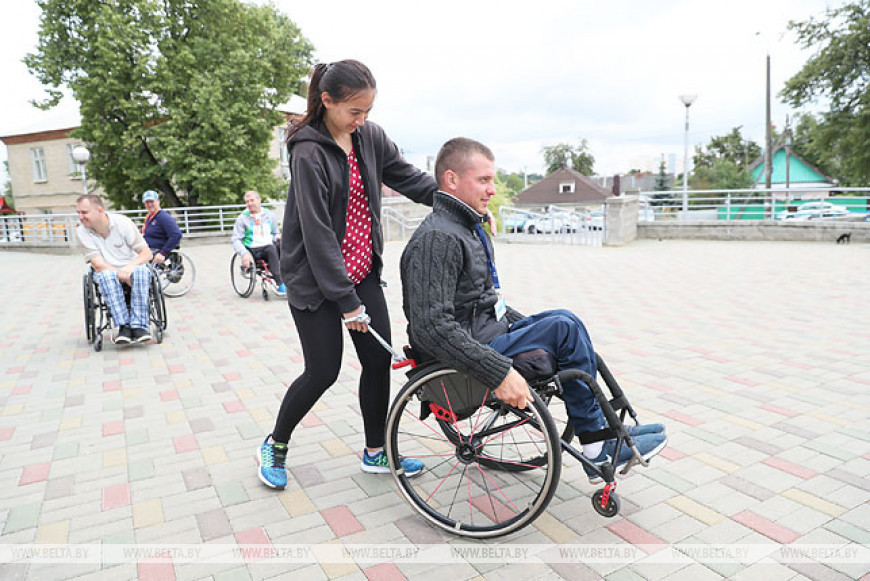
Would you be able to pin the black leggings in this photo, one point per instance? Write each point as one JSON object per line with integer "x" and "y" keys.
{"x": 321, "y": 333}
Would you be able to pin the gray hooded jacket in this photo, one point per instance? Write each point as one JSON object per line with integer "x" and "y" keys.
{"x": 316, "y": 211}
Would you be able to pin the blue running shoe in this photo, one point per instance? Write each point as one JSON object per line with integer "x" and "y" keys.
{"x": 644, "y": 429}
{"x": 271, "y": 459}
{"x": 282, "y": 290}
{"x": 378, "y": 464}
{"x": 648, "y": 445}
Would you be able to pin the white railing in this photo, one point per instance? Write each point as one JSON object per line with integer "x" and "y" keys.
{"x": 849, "y": 204}
{"x": 396, "y": 225}
{"x": 59, "y": 229}
{"x": 555, "y": 226}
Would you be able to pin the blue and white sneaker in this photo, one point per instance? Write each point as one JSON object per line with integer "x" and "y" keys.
{"x": 281, "y": 291}
{"x": 378, "y": 464}
{"x": 648, "y": 445}
{"x": 644, "y": 429}
{"x": 271, "y": 461}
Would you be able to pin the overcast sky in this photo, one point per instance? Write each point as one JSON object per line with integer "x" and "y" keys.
{"x": 521, "y": 76}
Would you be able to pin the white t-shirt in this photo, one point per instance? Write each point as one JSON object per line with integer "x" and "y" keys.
{"x": 119, "y": 248}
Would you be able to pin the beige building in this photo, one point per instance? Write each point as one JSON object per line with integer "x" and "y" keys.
{"x": 45, "y": 177}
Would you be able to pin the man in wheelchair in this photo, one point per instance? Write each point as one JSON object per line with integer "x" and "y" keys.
{"x": 119, "y": 255}
{"x": 160, "y": 230}
{"x": 255, "y": 237}
{"x": 457, "y": 316}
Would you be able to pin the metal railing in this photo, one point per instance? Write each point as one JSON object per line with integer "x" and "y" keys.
{"x": 396, "y": 225}
{"x": 59, "y": 229}
{"x": 778, "y": 204}
{"x": 555, "y": 226}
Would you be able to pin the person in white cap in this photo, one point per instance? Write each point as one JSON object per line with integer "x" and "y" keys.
{"x": 160, "y": 230}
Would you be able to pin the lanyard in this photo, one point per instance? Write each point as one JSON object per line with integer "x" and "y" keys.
{"x": 482, "y": 235}
{"x": 148, "y": 221}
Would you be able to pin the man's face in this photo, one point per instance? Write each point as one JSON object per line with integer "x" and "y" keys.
{"x": 152, "y": 206}
{"x": 252, "y": 201}
{"x": 474, "y": 185}
{"x": 90, "y": 215}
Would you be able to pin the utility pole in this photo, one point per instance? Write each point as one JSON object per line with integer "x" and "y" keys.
{"x": 768, "y": 155}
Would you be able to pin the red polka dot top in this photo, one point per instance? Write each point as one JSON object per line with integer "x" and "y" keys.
{"x": 356, "y": 248}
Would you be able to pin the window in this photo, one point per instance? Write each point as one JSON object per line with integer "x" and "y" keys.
{"x": 566, "y": 188}
{"x": 37, "y": 156}
{"x": 75, "y": 169}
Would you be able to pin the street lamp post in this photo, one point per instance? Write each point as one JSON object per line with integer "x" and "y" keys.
{"x": 687, "y": 100}
{"x": 82, "y": 156}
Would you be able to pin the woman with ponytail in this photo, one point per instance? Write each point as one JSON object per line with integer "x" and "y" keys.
{"x": 331, "y": 254}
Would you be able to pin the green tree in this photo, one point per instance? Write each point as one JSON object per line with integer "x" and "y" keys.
{"x": 7, "y": 186}
{"x": 175, "y": 95}
{"x": 838, "y": 73}
{"x": 722, "y": 175}
{"x": 513, "y": 182}
{"x": 563, "y": 155}
{"x": 723, "y": 163}
{"x": 663, "y": 180}
{"x": 813, "y": 144}
{"x": 730, "y": 147}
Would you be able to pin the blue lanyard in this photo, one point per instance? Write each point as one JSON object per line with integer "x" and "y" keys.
{"x": 482, "y": 235}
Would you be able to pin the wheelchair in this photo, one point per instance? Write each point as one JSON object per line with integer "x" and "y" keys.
{"x": 98, "y": 318}
{"x": 245, "y": 279}
{"x": 491, "y": 468}
{"x": 176, "y": 274}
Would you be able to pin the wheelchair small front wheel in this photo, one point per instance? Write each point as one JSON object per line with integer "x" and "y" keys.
{"x": 452, "y": 424}
{"x": 612, "y": 507}
{"x": 98, "y": 343}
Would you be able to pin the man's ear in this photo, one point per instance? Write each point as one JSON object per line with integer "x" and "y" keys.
{"x": 450, "y": 180}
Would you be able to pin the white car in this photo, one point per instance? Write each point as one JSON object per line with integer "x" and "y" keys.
{"x": 545, "y": 225}
{"x": 814, "y": 211}
{"x": 595, "y": 221}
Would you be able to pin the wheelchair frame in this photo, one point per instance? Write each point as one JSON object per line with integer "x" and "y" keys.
{"x": 492, "y": 468}
{"x": 95, "y": 308}
{"x": 176, "y": 275}
{"x": 244, "y": 280}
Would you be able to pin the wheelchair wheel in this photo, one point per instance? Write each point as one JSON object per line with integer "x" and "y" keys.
{"x": 176, "y": 275}
{"x": 438, "y": 418}
{"x": 157, "y": 308}
{"x": 563, "y": 426}
{"x": 90, "y": 308}
{"x": 243, "y": 279}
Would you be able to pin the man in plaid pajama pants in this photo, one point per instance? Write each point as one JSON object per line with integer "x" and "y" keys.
{"x": 113, "y": 246}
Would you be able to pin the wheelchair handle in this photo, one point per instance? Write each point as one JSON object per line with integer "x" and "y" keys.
{"x": 363, "y": 317}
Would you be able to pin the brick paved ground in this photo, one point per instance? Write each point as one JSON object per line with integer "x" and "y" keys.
{"x": 753, "y": 354}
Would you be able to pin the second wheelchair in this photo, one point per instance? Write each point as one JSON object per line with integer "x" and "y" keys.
{"x": 245, "y": 279}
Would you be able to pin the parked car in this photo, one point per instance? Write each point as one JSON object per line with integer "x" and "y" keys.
{"x": 516, "y": 221}
{"x": 545, "y": 225}
{"x": 595, "y": 220}
{"x": 814, "y": 211}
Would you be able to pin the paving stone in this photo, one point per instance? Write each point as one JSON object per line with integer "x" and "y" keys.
{"x": 756, "y": 432}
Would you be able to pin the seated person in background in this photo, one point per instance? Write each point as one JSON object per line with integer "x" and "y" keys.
{"x": 254, "y": 237}
{"x": 119, "y": 255}
{"x": 160, "y": 230}
{"x": 456, "y": 314}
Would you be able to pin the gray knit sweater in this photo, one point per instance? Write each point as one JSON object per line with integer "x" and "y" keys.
{"x": 448, "y": 293}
